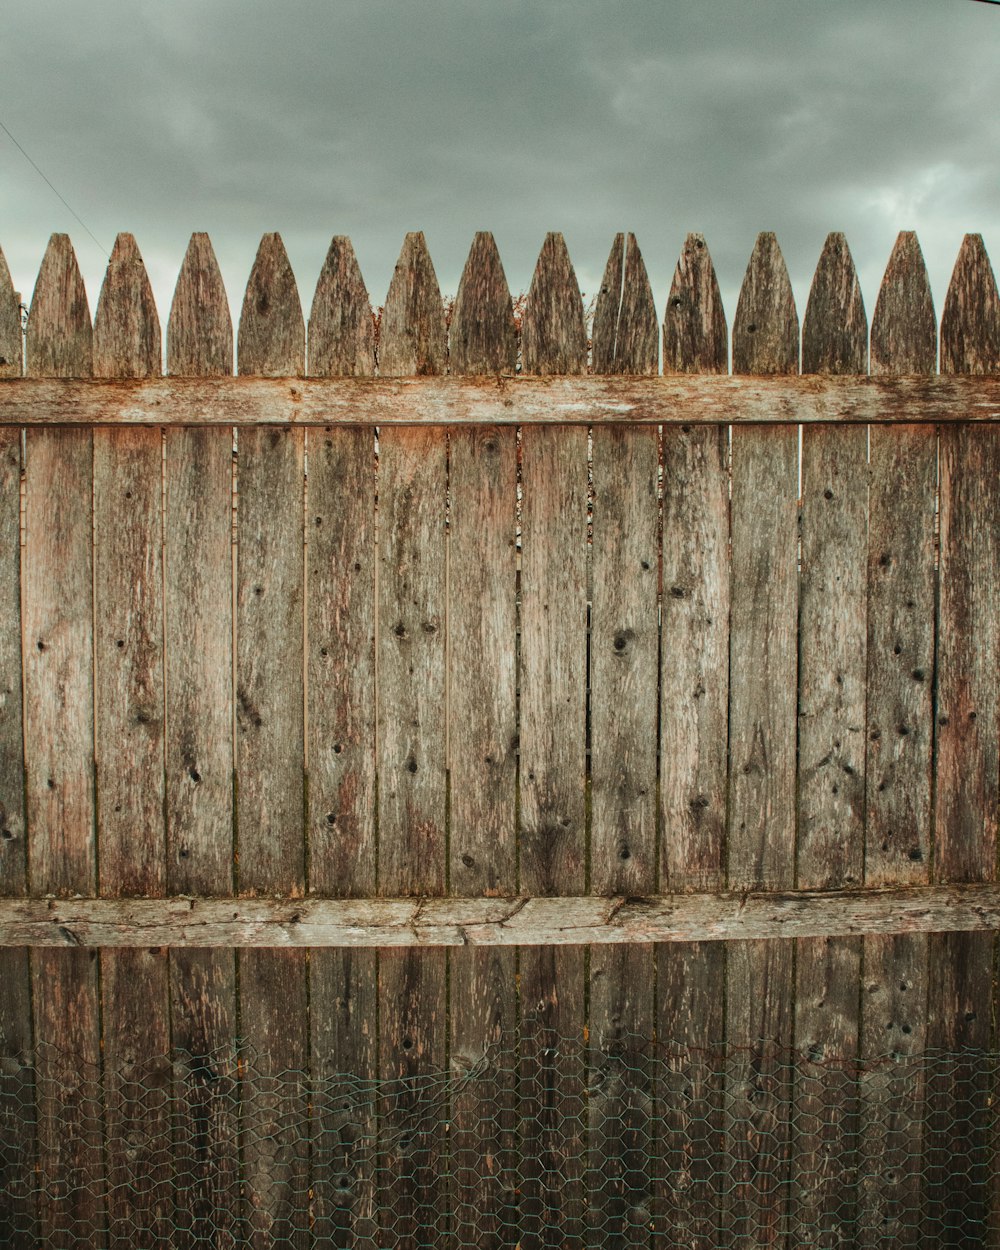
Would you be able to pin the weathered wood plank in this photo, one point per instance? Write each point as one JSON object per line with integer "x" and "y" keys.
{"x": 270, "y": 756}
{"x": 960, "y": 978}
{"x": 902, "y": 485}
{"x": 761, "y": 835}
{"x": 624, "y": 637}
{"x": 694, "y": 717}
{"x": 412, "y": 598}
{"x": 58, "y": 624}
{"x": 411, "y": 641}
{"x": 340, "y": 626}
{"x": 18, "y": 1210}
{"x": 833, "y": 606}
{"x": 129, "y": 697}
{"x": 624, "y": 664}
{"x": 482, "y": 758}
{"x": 522, "y": 400}
{"x": 198, "y": 662}
{"x": 552, "y": 776}
{"x": 572, "y": 919}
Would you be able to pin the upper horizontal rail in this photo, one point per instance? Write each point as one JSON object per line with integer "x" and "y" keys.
{"x": 501, "y": 400}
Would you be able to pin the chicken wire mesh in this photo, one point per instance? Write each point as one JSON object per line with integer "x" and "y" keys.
{"x": 535, "y": 1141}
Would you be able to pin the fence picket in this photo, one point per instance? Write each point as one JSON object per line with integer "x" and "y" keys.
{"x": 482, "y": 758}
{"x": 58, "y": 633}
{"x": 624, "y": 662}
{"x": 902, "y": 487}
{"x": 411, "y": 746}
{"x": 340, "y": 615}
{"x": 198, "y": 663}
{"x": 129, "y": 697}
{"x": 694, "y": 719}
{"x": 270, "y": 754}
{"x": 17, "y": 1119}
{"x": 761, "y": 845}
{"x": 960, "y": 977}
{"x": 831, "y": 729}
{"x": 553, "y": 675}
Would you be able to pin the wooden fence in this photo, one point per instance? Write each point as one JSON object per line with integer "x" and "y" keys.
{"x": 362, "y": 716}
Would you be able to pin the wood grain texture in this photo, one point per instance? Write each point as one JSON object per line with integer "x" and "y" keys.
{"x": 670, "y": 400}
{"x": 694, "y": 719}
{"x": 624, "y": 634}
{"x": 412, "y": 596}
{"x": 831, "y": 749}
{"x": 341, "y": 326}
{"x": 58, "y": 625}
{"x": 763, "y": 672}
{"x": 553, "y": 672}
{"x": 482, "y": 758}
{"x": 58, "y": 596}
{"x": 198, "y": 661}
{"x": 340, "y": 608}
{"x": 960, "y": 976}
{"x": 129, "y": 697}
{"x": 11, "y": 342}
{"x": 624, "y": 663}
{"x": 128, "y": 555}
{"x": 13, "y": 856}
{"x": 270, "y": 751}
{"x": 694, "y": 658}
{"x": 269, "y": 597}
{"x": 18, "y": 1209}
{"x": 719, "y": 916}
{"x": 902, "y": 485}
{"x": 343, "y": 1005}
{"x": 412, "y": 599}
{"x": 695, "y": 336}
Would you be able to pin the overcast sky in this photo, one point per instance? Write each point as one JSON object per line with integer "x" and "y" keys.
{"x": 370, "y": 118}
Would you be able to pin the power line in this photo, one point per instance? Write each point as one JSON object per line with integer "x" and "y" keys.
{"x": 61, "y": 198}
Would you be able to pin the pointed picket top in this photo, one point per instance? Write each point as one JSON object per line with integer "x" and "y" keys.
{"x": 835, "y": 328}
{"x": 126, "y": 324}
{"x": 695, "y": 336}
{"x": 10, "y": 325}
{"x": 413, "y": 340}
{"x": 200, "y": 329}
{"x": 60, "y": 337}
{"x": 271, "y": 342}
{"x": 970, "y": 323}
{"x": 483, "y": 336}
{"x": 766, "y": 325}
{"x": 904, "y": 328}
{"x": 625, "y": 329}
{"x": 554, "y": 330}
{"x": 341, "y": 340}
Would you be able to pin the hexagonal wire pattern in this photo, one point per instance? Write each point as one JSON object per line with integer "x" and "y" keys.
{"x": 538, "y": 1141}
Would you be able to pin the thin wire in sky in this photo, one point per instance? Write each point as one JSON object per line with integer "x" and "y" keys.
{"x": 48, "y": 182}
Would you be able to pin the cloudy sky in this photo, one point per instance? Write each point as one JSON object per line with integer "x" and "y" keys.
{"x": 371, "y": 118}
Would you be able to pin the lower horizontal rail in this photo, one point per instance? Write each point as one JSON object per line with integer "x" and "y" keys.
{"x": 100, "y": 922}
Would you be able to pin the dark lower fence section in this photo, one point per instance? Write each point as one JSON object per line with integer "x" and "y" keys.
{"x": 538, "y": 1141}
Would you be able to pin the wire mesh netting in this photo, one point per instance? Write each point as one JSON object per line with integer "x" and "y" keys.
{"x": 535, "y": 1141}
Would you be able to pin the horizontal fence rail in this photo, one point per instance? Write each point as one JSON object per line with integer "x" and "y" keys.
{"x": 455, "y": 679}
{"x": 719, "y": 917}
{"x": 503, "y": 400}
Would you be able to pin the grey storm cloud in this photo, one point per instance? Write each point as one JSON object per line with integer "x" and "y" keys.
{"x": 371, "y": 119}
